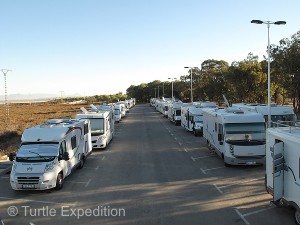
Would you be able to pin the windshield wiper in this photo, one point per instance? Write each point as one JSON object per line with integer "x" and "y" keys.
{"x": 36, "y": 153}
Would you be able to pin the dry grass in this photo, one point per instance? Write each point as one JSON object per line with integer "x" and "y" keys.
{"x": 22, "y": 116}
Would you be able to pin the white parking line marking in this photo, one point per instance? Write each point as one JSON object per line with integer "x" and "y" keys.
{"x": 180, "y": 143}
{"x": 242, "y": 217}
{"x": 221, "y": 192}
{"x": 202, "y": 157}
{"x": 185, "y": 149}
{"x": 87, "y": 184}
{"x": 216, "y": 168}
{"x": 246, "y": 181}
{"x": 251, "y": 213}
{"x": 103, "y": 157}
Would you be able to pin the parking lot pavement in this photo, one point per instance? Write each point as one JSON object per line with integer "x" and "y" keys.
{"x": 5, "y": 166}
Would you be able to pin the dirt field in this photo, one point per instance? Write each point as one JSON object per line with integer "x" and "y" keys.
{"x": 22, "y": 116}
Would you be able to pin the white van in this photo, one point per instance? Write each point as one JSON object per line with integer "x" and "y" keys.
{"x": 192, "y": 119}
{"x": 49, "y": 152}
{"x": 102, "y": 127}
{"x": 283, "y": 166}
{"x": 236, "y": 136}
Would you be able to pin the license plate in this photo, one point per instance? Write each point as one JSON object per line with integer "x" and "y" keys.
{"x": 28, "y": 186}
{"x": 250, "y": 163}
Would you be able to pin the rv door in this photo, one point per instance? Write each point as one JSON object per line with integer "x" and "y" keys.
{"x": 278, "y": 171}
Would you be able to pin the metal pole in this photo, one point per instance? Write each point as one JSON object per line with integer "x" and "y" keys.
{"x": 172, "y": 91}
{"x": 269, "y": 79}
{"x": 5, "y": 71}
{"x": 191, "y": 85}
{"x": 158, "y": 92}
{"x": 163, "y": 89}
{"x": 155, "y": 92}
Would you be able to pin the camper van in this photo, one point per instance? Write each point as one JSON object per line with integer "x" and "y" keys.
{"x": 192, "y": 119}
{"x": 117, "y": 113}
{"x": 283, "y": 166}
{"x": 102, "y": 126}
{"x": 278, "y": 112}
{"x": 49, "y": 152}
{"x": 237, "y": 137}
{"x": 174, "y": 112}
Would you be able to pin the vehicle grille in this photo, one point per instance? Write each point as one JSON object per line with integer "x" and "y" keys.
{"x": 28, "y": 180}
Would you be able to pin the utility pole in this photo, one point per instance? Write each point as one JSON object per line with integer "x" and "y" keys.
{"x": 5, "y": 71}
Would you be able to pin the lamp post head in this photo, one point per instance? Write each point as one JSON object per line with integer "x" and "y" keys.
{"x": 257, "y": 21}
{"x": 186, "y": 67}
{"x": 280, "y": 23}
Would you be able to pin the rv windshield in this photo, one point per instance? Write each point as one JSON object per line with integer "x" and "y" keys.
{"x": 245, "y": 133}
{"x": 198, "y": 119}
{"x": 97, "y": 126}
{"x": 37, "y": 152}
{"x": 275, "y": 118}
{"x": 117, "y": 111}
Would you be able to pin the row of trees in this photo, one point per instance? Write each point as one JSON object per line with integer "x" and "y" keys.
{"x": 242, "y": 81}
{"x": 96, "y": 98}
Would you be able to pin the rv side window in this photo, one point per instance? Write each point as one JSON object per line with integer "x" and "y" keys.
{"x": 86, "y": 128}
{"x": 216, "y": 126}
{"x": 62, "y": 148}
{"x": 73, "y": 142}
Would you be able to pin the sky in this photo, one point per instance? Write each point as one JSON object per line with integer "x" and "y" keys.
{"x": 93, "y": 47}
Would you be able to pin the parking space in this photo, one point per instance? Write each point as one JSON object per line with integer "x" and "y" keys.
{"x": 238, "y": 187}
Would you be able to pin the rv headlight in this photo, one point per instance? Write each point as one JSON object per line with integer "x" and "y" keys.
{"x": 101, "y": 138}
{"x": 49, "y": 167}
{"x": 231, "y": 149}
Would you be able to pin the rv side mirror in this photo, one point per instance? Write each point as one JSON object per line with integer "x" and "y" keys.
{"x": 221, "y": 142}
{"x": 12, "y": 156}
{"x": 66, "y": 156}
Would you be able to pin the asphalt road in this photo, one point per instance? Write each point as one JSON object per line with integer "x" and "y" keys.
{"x": 153, "y": 172}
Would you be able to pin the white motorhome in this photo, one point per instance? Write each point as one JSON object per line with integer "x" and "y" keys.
{"x": 174, "y": 112}
{"x": 236, "y": 136}
{"x": 102, "y": 127}
{"x": 117, "y": 113}
{"x": 192, "y": 119}
{"x": 283, "y": 166}
{"x": 122, "y": 108}
{"x": 49, "y": 152}
{"x": 278, "y": 112}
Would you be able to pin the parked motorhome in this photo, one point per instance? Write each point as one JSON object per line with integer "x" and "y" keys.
{"x": 192, "y": 119}
{"x": 174, "y": 112}
{"x": 283, "y": 166}
{"x": 49, "y": 152}
{"x": 122, "y": 108}
{"x": 278, "y": 113}
{"x": 102, "y": 127}
{"x": 117, "y": 113}
{"x": 238, "y": 137}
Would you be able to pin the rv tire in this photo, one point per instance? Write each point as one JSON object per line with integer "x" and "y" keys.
{"x": 297, "y": 216}
{"x": 81, "y": 163}
{"x": 59, "y": 181}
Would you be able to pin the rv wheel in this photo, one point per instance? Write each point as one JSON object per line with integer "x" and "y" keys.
{"x": 59, "y": 181}
{"x": 81, "y": 163}
{"x": 195, "y": 133}
{"x": 297, "y": 216}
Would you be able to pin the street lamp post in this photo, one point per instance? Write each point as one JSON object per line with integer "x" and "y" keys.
{"x": 5, "y": 71}
{"x": 154, "y": 92}
{"x": 269, "y": 77}
{"x": 158, "y": 91}
{"x": 172, "y": 79}
{"x": 187, "y": 67}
